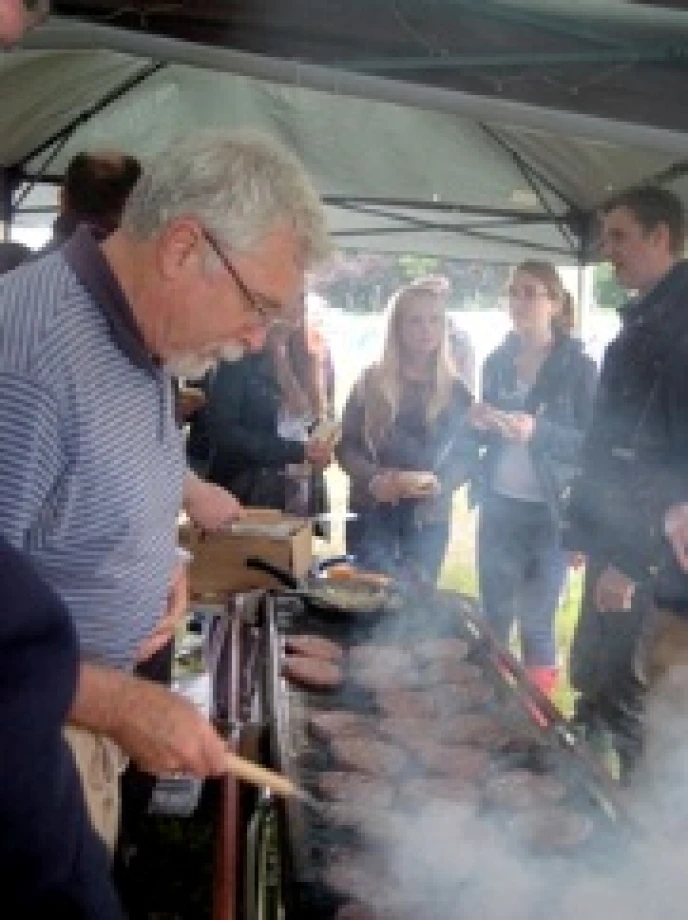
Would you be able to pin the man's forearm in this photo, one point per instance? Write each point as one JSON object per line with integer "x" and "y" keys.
{"x": 102, "y": 695}
{"x": 191, "y": 483}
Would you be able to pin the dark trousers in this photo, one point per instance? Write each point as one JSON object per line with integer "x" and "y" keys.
{"x": 609, "y": 667}
{"x": 521, "y": 569}
{"x": 388, "y": 539}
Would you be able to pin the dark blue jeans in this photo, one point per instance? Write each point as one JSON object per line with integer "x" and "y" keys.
{"x": 521, "y": 568}
{"x": 388, "y": 539}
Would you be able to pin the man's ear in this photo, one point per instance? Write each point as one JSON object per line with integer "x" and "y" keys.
{"x": 180, "y": 247}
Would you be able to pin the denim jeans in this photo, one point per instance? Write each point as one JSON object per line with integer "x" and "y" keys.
{"x": 521, "y": 569}
{"x": 389, "y": 539}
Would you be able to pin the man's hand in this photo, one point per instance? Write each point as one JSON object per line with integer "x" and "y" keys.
{"x": 613, "y": 591}
{"x": 576, "y": 561}
{"x": 210, "y": 507}
{"x": 384, "y": 487}
{"x": 162, "y": 732}
{"x": 676, "y": 530}
{"x": 175, "y": 611}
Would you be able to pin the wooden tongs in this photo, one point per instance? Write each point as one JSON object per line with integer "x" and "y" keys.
{"x": 277, "y": 783}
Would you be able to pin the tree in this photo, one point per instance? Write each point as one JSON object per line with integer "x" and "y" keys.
{"x": 608, "y": 293}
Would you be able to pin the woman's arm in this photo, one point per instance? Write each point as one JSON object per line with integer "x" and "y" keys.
{"x": 562, "y": 443}
{"x": 354, "y": 456}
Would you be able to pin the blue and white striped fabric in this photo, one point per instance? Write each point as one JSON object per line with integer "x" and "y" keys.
{"x": 91, "y": 461}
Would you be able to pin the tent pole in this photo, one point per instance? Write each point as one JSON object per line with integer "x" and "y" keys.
{"x": 6, "y": 187}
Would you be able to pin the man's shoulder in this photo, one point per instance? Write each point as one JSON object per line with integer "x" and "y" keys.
{"x": 41, "y": 307}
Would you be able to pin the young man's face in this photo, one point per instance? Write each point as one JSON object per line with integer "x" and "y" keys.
{"x": 18, "y": 16}
{"x": 640, "y": 257}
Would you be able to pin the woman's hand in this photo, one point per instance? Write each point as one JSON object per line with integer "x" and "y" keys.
{"x": 384, "y": 487}
{"x": 483, "y": 416}
{"x": 418, "y": 485}
{"x": 517, "y": 426}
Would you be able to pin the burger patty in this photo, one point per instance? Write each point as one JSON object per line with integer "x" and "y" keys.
{"x": 380, "y": 657}
{"x": 440, "y": 788}
{"x": 413, "y": 704}
{"x": 369, "y": 755}
{"x": 450, "y": 671}
{"x": 339, "y": 723}
{"x": 451, "y": 699}
{"x": 313, "y": 647}
{"x": 552, "y": 828}
{"x": 460, "y": 761}
{"x": 404, "y": 731}
{"x": 312, "y": 673}
{"x": 340, "y": 786}
{"x": 387, "y": 679}
{"x": 452, "y": 649}
{"x": 477, "y": 729}
{"x": 522, "y": 789}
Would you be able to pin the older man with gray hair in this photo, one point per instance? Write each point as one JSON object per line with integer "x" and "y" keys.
{"x": 212, "y": 249}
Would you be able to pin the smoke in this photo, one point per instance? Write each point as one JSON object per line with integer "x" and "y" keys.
{"x": 432, "y": 858}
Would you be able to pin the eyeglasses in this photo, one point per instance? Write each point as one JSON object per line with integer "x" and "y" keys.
{"x": 526, "y": 292}
{"x": 268, "y": 310}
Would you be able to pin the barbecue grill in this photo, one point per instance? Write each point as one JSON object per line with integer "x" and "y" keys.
{"x": 304, "y": 844}
{"x": 191, "y": 866}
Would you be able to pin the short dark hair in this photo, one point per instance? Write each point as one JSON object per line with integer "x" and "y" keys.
{"x": 97, "y": 185}
{"x": 651, "y": 206}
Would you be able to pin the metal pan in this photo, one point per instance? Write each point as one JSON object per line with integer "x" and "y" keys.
{"x": 334, "y": 599}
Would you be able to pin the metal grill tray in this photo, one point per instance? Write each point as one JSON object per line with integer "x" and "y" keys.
{"x": 307, "y": 838}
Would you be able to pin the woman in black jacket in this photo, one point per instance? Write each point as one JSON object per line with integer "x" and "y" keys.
{"x": 258, "y": 418}
{"x": 537, "y": 394}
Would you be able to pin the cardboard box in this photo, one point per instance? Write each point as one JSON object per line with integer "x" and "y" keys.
{"x": 218, "y": 564}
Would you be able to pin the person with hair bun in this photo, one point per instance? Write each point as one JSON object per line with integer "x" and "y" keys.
{"x": 404, "y": 438}
{"x": 537, "y": 394}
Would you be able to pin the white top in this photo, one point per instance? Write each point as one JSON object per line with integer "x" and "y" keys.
{"x": 514, "y": 473}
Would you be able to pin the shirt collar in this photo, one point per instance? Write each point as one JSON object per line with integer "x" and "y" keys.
{"x": 86, "y": 259}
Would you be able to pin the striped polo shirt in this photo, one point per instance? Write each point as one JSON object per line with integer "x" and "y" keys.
{"x": 91, "y": 460}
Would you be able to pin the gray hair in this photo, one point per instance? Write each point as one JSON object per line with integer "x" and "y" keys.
{"x": 239, "y": 184}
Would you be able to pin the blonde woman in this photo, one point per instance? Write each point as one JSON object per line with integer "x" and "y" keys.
{"x": 402, "y": 442}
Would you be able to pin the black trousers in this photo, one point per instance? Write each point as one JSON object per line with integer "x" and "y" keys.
{"x": 608, "y": 667}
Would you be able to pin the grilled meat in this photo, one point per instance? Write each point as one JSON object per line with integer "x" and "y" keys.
{"x": 339, "y": 723}
{"x": 460, "y": 761}
{"x": 369, "y": 756}
{"x": 451, "y": 649}
{"x": 353, "y": 787}
{"x": 413, "y": 704}
{"x": 552, "y": 828}
{"x": 312, "y": 673}
{"x": 313, "y": 647}
{"x": 520, "y": 788}
{"x": 380, "y": 657}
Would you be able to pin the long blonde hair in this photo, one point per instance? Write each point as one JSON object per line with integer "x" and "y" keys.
{"x": 381, "y": 384}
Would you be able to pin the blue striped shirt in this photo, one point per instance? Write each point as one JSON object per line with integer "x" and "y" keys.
{"x": 91, "y": 460}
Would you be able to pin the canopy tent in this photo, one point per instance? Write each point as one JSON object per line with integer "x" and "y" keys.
{"x": 414, "y": 164}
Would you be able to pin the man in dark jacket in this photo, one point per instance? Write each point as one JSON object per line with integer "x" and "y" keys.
{"x": 634, "y": 466}
{"x": 51, "y": 862}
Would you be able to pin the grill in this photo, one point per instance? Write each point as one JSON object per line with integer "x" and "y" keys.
{"x": 327, "y": 860}
{"x": 185, "y": 866}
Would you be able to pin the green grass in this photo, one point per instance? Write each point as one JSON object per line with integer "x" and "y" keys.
{"x": 461, "y": 576}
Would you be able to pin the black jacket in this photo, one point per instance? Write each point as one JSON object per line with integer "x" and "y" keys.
{"x": 51, "y": 863}
{"x": 635, "y": 457}
{"x": 561, "y": 401}
{"x": 410, "y": 444}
